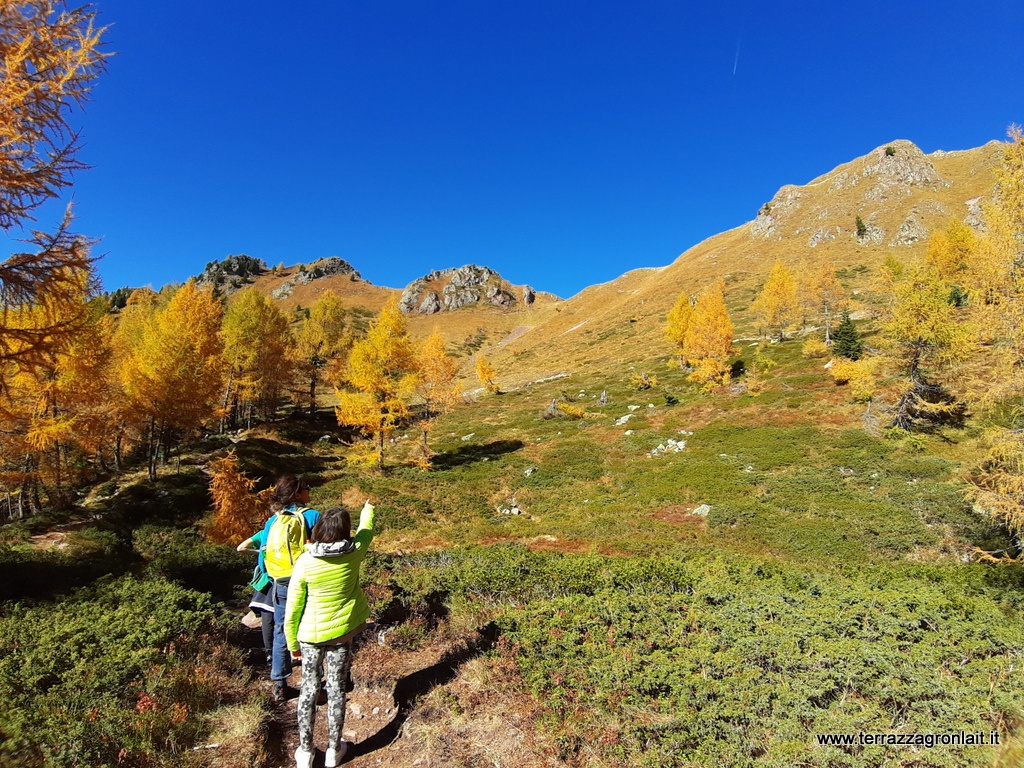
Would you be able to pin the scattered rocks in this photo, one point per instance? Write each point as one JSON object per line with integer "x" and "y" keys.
{"x": 530, "y": 471}
{"x": 470, "y": 436}
{"x": 846, "y": 472}
{"x": 634, "y": 407}
{"x": 669, "y": 446}
{"x": 623, "y": 420}
{"x": 702, "y": 510}
{"x": 823, "y": 235}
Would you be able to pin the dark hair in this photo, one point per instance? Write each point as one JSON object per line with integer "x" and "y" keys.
{"x": 334, "y": 525}
{"x": 286, "y": 489}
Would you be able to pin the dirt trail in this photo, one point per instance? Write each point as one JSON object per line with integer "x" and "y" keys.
{"x": 387, "y": 686}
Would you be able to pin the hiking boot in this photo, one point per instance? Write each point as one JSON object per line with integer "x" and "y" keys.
{"x": 303, "y": 759}
{"x": 283, "y": 692}
{"x": 335, "y": 756}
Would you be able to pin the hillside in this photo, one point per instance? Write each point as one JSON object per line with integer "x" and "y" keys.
{"x": 899, "y": 194}
{"x": 902, "y": 198}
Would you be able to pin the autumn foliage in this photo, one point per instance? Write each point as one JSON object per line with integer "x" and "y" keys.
{"x": 777, "y": 306}
{"x": 237, "y": 509}
{"x": 381, "y": 374}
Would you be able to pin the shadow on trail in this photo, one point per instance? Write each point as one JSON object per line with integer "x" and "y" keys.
{"x": 473, "y": 453}
{"x": 411, "y": 687}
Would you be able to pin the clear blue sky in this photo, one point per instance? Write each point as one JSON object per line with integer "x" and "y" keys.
{"x": 561, "y": 143}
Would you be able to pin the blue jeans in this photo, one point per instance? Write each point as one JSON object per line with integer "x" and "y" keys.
{"x": 281, "y": 662}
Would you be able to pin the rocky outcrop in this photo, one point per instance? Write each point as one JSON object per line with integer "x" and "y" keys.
{"x": 232, "y": 273}
{"x": 975, "y": 218}
{"x": 319, "y": 269}
{"x": 459, "y": 287}
{"x": 910, "y": 231}
{"x": 862, "y": 188}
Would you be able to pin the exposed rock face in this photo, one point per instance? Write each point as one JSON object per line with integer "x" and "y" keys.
{"x": 431, "y": 304}
{"x": 462, "y": 287}
{"x": 823, "y": 235}
{"x": 318, "y": 269}
{"x": 910, "y": 231}
{"x": 326, "y": 268}
{"x": 529, "y": 295}
{"x": 975, "y": 218}
{"x": 865, "y": 187}
{"x": 232, "y": 273}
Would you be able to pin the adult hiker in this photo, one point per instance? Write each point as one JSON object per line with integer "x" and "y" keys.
{"x": 283, "y": 539}
{"x": 325, "y": 610}
{"x": 262, "y": 602}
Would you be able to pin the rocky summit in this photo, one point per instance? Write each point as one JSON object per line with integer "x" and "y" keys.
{"x": 447, "y": 290}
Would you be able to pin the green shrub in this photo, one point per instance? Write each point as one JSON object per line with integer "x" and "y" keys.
{"x": 112, "y": 675}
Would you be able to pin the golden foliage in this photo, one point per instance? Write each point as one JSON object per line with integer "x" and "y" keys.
{"x": 861, "y": 376}
{"x": 997, "y": 484}
{"x": 237, "y": 510}
{"x": 170, "y": 365}
{"x": 257, "y": 343}
{"x": 438, "y": 387}
{"x": 51, "y": 56}
{"x": 708, "y": 342}
{"x": 776, "y": 307}
{"x": 322, "y": 341}
{"x": 485, "y": 373}
{"x": 814, "y": 348}
{"x": 822, "y": 293}
{"x": 383, "y": 370}
{"x": 573, "y": 411}
{"x": 927, "y": 340}
{"x": 642, "y": 381}
{"x": 50, "y": 59}
{"x": 677, "y": 322}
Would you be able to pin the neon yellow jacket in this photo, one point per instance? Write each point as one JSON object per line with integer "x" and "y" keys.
{"x": 325, "y": 601}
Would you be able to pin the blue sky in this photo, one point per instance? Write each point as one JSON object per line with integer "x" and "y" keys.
{"x": 561, "y": 143}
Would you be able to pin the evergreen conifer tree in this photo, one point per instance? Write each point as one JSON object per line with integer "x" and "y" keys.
{"x": 846, "y": 339}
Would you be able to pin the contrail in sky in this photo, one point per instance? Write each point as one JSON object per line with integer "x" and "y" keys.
{"x": 737, "y": 61}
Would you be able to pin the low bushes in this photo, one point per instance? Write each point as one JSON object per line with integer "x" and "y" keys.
{"x": 117, "y": 674}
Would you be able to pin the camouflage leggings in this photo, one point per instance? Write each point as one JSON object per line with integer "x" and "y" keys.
{"x": 338, "y": 657}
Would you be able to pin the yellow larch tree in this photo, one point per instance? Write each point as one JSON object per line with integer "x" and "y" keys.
{"x": 927, "y": 339}
{"x": 51, "y": 58}
{"x": 257, "y": 348}
{"x": 708, "y": 343}
{"x": 677, "y": 322}
{"x": 485, "y": 374}
{"x": 238, "y": 509}
{"x": 174, "y": 375}
{"x": 823, "y": 293}
{"x": 53, "y": 414}
{"x": 322, "y": 341}
{"x": 438, "y": 388}
{"x": 382, "y": 372}
{"x": 777, "y": 307}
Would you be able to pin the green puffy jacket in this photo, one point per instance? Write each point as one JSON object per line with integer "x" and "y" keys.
{"x": 324, "y": 599}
